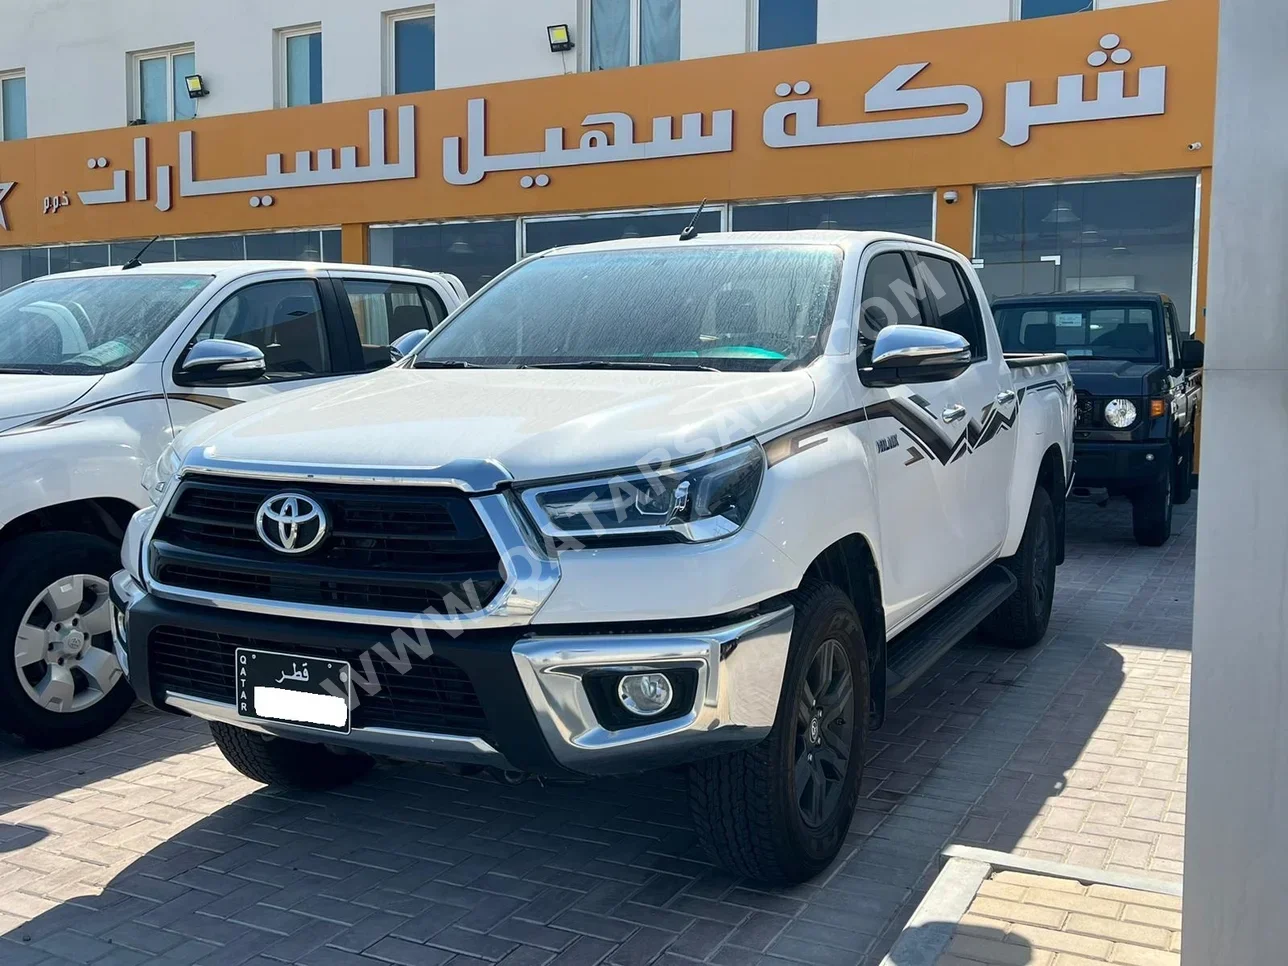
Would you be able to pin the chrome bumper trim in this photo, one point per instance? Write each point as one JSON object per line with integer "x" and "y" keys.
{"x": 740, "y": 674}
{"x": 129, "y": 592}
{"x": 388, "y": 742}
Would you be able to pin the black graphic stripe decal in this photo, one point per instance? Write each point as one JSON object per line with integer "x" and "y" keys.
{"x": 53, "y": 419}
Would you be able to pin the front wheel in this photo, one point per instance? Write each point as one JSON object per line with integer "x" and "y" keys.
{"x": 285, "y": 762}
{"x": 779, "y": 811}
{"x": 1151, "y": 512}
{"x": 1022, "y": 619}
{"x": 60, "y": 682}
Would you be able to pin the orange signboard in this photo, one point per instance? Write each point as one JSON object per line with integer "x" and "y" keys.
{"x": 1113, "y": 92}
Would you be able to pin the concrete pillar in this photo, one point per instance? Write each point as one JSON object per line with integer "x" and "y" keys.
{"x": 1236, "y": 834}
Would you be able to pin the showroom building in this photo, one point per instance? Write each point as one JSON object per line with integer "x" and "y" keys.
{"x": 1062, "y": 147}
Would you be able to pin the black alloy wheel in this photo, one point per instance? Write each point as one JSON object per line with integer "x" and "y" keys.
{"x": 824, "y": 733}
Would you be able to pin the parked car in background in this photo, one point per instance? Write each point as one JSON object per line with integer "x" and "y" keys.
{"x": 1137, "y": 374}
{"x": 709, "y": 500}
{"x": 98, "y": 371}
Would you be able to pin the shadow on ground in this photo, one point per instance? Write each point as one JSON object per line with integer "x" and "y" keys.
{"x": 415, "y": 865}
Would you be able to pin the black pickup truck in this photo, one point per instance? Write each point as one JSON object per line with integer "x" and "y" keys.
{"x": 1136, "y": 372}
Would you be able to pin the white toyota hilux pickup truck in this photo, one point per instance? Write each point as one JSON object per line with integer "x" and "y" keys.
{"x": 98, "y": 370}
{"x": 712, "y": 500}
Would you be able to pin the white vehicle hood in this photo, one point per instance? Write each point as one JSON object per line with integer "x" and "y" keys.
{"x": 23, "y": 396}
{"x": 535, "y": 423}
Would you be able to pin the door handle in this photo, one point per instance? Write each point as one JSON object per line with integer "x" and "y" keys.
{"x": 1005, "y": 396}
{"x": 953, "y": 413}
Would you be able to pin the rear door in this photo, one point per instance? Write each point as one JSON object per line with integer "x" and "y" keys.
{"x": 377, "y": 310}
{"x": 984, "y": 442}
{"x": 293, "y": 317}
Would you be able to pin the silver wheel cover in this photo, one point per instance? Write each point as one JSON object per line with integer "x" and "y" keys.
{"x": 63, "y": 651}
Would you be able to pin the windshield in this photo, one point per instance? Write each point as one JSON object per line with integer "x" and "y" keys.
{"x": 90, "y": 324}
{"x": 1120, "y": 331}
{"x": 729, "y": 307}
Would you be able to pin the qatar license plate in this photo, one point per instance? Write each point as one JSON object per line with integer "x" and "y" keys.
{"x": 309, "y": 691}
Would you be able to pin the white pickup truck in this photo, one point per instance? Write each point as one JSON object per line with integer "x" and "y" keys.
{"x": 710, "y": 500}
{"x": 98, "y": 370}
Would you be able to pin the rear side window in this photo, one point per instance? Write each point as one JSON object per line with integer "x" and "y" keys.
{"x": 955, "y": 302}
{"x": 888, "y": 296}
{"x": 384, "y": 311}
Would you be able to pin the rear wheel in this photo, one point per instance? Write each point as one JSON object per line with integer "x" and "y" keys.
{"x": 779, "y": 812}
{"x": 285, "y": 762}
{"x": 1151, "y": 512}
{"x": 1022, "y": 619}
{"x": 60, "y": 682}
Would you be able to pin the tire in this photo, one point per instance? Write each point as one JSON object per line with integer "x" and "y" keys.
{"x": 1151, "y": 512}
{"x": 286, "y": 762}
{"x": 1021, "y": 620}
{"x": 747, "y": 808}
{"x": 1183, "y": 485}
{"x": 69, "y": 686}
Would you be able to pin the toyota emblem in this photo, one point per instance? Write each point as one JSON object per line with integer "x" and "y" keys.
{"x": 291, "y": 523}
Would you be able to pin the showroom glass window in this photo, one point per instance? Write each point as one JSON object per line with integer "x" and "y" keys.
{"x": 1125, "y": 236}
{"x": 474, "y": 251}
{"x": 624, "y": 33}
{"x": 786, "y": 23}
{"x": 909, "y": 214}
{"x": 540, "y": 234}
{"x": 1031, "y": 9}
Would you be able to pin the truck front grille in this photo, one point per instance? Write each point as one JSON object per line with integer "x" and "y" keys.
{"x": 434, "y": 695}
{"x": 403, "y": 549}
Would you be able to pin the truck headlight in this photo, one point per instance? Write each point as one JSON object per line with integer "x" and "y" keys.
{"x": 694, "y": 502}
{"x": 156, "y": 478}
{"x": 1120, "y": 413}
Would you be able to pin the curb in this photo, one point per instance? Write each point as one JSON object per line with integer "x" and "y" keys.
{"x": 929, "y": 929}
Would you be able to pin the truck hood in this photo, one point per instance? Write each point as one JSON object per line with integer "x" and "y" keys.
{"x": 24, "y": 396}
{"x": 1109, "y": 377}
{"x": 535, "y": 423}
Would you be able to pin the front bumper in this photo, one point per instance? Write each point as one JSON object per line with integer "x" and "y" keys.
{"x": 1120, "y": 465}
{"x": 532, "y": 685}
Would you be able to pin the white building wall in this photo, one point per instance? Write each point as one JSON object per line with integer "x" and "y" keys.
{"x": 76, "y": 52}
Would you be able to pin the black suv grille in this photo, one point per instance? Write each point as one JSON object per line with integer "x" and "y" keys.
{"x": 433, "y": 696}
{"x": 406, "y": 549}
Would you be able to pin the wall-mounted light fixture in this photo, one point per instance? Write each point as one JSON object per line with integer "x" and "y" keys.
{"x": 196, "y": 86}
{"x": 560, "y": 38}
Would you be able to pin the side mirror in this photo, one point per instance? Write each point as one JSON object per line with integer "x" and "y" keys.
{"x": 1191, "y": 354}
{"x": 914, "y": 353}
{"x": 221, "y": 362}
{"x": 404, "y": 345}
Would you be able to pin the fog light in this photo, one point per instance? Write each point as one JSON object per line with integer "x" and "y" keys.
{"x": 645, "y": 694}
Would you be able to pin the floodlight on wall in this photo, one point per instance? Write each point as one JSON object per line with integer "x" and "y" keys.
{"x": 196, "y": 86}
{"x": 560, "y": 38}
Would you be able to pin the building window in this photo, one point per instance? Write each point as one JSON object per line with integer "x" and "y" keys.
{"x": 624, "y": 33}
{"x": 1031, "y": 9}
{"x": 13, "y": 106}
{"x": 473, "y": 251}
{"x": 785, "y": 23}
{"x": 908, "y": 214}
{"x": 160, "y": 93}
{"x": 300, "y": 72}
{"x": 409, "y": 46}
{"x": 1133, "y": 235}
{"x": 542, "y": 233}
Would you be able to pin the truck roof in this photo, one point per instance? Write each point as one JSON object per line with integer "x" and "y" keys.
{"x": 234, "y": 268}
{"x": 1108, "y": 295}
{"x": 849, "y": 240}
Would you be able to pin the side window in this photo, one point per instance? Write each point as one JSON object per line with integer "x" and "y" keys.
{"x": 1173, "y": 337}
{"x": 284, "y": 319}
{"x": 385, "y": 311}
{"x": 955, "y": 302}
{"x": 888, "y": 296}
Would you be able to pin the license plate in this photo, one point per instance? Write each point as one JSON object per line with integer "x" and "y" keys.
{"x": 308, "y": 691}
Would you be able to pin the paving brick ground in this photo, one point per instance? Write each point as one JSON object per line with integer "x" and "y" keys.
{"x": 1030, "y": 920}
{"x": 143, "y": 846}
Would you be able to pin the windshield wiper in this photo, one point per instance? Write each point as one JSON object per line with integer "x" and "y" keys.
{"x": 617, "y": 364}
{"x": 54, "y": 369}
{"x": 447, "y": 364}
{"x": 22, "y": 371}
